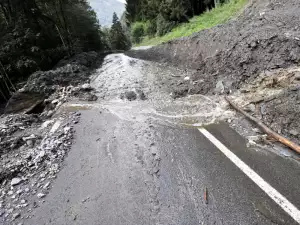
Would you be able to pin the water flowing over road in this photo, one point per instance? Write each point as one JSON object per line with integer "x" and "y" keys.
{"x": 144, "y": 161}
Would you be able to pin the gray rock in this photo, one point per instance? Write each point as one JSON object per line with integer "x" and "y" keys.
{"x": 250, "y": 108}
{"x": 130, "y": 95}
{"x": 25, "y": 102}
{"x": 141, "y": 94}
{"x": 86, "y": 87}
{"x": 16, "y": 215}
{"x": 220, "y": 89}
{"x": 15, "y": 181}
{"x": 294, "y": 132}
{"x": 41, "y": 195}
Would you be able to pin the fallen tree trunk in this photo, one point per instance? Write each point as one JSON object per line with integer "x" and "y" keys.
{"x": 266, "y": 129}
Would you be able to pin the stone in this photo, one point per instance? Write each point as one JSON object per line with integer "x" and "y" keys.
{"x": 41, "y": 195}
{"x": 25, "y": 102}
{"x": 187, "y": 78}
{"x": 15, "y": 181}
{"x": 86, "y": 87}
{"x": 55, "y": 101}
{"x": 130, "y": 95}
{"x": 294, "y": 132}
{"x": 250, "y": 108}
{"x": 46, "y": 185}
{"x": 30, "y": 143}
{"x": 141, "y": 94}
{"x": 50, "y": 113}
{"x": 220, "y": 89}
{"x": 16, "y": 215}
{"x": 23, "y": 201}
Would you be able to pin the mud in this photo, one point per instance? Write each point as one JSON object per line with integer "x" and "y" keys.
{"x": 264, "y": 38}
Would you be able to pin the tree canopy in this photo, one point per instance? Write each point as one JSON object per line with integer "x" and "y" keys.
{"x": 163, "y": 15}
{"x": 35, "y": 34}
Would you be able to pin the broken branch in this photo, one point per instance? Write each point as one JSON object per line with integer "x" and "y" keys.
{"x": 266, "y": 129}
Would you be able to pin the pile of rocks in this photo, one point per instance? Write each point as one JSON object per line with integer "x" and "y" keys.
{"x": 28, "y": 165}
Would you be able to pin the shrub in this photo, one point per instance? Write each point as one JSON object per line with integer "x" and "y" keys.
{"x": 151, "y": 28}
{"x": 137, "y": 32}
{"x": 164, "y": 26}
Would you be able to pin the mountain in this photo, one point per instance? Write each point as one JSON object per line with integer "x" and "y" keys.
{"x": 106, "y": 8}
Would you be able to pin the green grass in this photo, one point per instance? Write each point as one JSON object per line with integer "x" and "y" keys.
{"x": 207, "y": 20}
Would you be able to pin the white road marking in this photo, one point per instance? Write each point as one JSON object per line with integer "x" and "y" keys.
{"x": 267, "y": 188}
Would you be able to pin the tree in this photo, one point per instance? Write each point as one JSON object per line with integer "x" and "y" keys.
{"x": 118, "y": 39}
{"x": 36, "y": 34}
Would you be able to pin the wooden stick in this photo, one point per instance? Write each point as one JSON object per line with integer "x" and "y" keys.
{"x": 266, "y": 129}
{"x": 206, "y": 196}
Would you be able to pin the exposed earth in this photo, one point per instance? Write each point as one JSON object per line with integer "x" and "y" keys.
{"x": 115, "y": 139}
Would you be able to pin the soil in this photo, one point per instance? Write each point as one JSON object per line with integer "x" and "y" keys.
{"x": 265, "y": 37}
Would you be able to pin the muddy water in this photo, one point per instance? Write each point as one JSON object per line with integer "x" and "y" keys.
{"x": 121, "y": 73}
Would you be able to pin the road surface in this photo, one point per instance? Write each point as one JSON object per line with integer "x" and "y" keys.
{"x": 152, "y": 162}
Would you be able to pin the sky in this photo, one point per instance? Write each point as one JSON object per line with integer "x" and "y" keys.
{"x": 106, "y": 8}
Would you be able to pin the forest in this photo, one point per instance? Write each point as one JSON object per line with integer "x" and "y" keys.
{"x": 36, "y": 34}
{"x": 156, "y": 17}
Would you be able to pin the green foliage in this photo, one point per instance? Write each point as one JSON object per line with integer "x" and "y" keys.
{"x": 164, "y": 26}
{"x": 36, "y": 34}
{"x": 207, "y": 20}
{"x": 137, "y": 32}
{"x": 118, "y": 39}
{"x": 151, "y": 28}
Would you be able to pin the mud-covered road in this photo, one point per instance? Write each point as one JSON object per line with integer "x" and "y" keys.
{"x": 145, "y": 161}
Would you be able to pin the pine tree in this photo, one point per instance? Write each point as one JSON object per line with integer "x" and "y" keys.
{"x": 118, "y": 39}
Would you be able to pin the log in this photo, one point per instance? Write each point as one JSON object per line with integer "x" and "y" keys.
{"x": 266, "y": 129}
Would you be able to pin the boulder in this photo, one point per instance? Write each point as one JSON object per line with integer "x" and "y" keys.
{"x": 25, "y": 102}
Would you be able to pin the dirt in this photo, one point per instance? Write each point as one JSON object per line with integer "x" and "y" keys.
{"x": 265, "y": 37}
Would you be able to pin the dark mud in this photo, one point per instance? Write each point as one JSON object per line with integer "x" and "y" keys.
{"x": 265, "y": 37}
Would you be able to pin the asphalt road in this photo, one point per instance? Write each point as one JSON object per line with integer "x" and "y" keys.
{"x": 146, "y": 162}
{"x": 144, "y": 172}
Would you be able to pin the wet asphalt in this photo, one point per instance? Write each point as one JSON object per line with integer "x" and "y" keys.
{"x": 132, "y": 164}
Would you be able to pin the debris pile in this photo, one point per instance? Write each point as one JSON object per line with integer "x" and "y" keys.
{"x": 31, "y": 155}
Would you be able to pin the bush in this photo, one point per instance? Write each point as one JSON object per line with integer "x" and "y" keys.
{"x": 137, "y": 32}
{"x": 151, "y": 28}
{"x": 164, "y": 26}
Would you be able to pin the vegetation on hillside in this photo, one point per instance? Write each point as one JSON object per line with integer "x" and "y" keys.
{"x": 36, "y": 34}
{"x": 184, "y": 18}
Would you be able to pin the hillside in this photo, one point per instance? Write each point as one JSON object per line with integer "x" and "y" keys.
{"x": 106, "y": 8}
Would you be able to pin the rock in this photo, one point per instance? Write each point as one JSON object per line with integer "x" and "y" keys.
{"x": 55, "y": 101}
{"x": 86, "y": 87}
{"x": 46, "y": 124}
{"x": 187, "y": 78}
{"x": 50, "y": 113}
{"x": 23, "y": 201}
{"x": 15, "y": 181}
{"x": 41, "y": 195}
{"x": 30, "y": 143}
{"x": 294, "y": 132}
{"x": 46, "y": 185}
{"x": 31, "y": 137}
{"x": 25, "y": 102}
{"x": 250, "y": 108}
{"x": 16, "y": 215}
{"x": 141, "y": 94}
{"x": 220, "y": 89}
{"x": 130, "y": 95}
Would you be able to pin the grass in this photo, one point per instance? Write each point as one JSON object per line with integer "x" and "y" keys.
{"x": 207, "y": 20}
